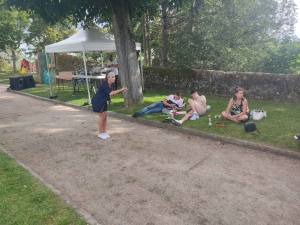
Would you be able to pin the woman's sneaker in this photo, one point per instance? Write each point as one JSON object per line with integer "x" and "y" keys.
{"x": 297, "y": 137}
{"x": 107, "y": 135}
{"x": 194, "y": 117}
{"x": 102, "y": 136}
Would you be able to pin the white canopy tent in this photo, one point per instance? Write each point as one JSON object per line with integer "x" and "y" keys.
{"x": 93, "y": 39}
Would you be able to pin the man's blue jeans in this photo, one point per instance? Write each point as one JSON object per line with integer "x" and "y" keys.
{"x": 155, "y": 107}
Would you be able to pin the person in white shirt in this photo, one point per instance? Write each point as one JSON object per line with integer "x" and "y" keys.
{"x": 173, "y": 101}
{"x": 113, "y": 66}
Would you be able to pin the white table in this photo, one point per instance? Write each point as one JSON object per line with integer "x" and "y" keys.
{"x": 90, "y": 78}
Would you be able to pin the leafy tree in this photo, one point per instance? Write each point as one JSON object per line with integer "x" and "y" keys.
{"x": 231, "y": 34}
{"x": 282, "y": 57}
{"x": 13, "y": 26}
{"x": 41, "y": 33}
{"x": 169, "y": 20}
{"x": 146, "y": 39}
{"x": 117, "y": 12}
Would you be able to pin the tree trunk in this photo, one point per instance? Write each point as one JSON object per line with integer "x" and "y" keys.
{"x": 164, "y": 35}
{"x": 38, "y": 67}
{"x": 13, "y": 54}
{"x": 129, "y": 72}
{"x": 194, "y": 8}
{"x": 146, "y": 40}
{"x": 191, "y": 17}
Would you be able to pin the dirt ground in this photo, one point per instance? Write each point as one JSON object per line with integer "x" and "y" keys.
{"x": 145, "y": 175}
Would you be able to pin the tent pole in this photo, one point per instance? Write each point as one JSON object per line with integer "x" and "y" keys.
{"x": 48, "y": 74}
{"x": 86, "y": 79}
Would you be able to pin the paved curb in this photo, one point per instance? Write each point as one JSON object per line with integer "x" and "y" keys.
{"x": 222, "y": 139}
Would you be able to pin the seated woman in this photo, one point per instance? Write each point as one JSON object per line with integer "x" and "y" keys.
{"x": 197, "y": 107}
{"x": 237, "y": 109}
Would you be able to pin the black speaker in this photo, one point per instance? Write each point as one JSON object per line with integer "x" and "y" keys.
{"x": 16, "y": 83}
{"x": 28, "y": 81}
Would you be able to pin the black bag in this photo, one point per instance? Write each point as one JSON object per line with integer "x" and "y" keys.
{"x": 250, "y": 127}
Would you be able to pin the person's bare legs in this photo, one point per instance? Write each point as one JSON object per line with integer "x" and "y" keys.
{"x": 102, "y": 122}
{"x": 192, "y": 104}
{"x": 234, "y": 118}
{"x": 243, "y": 118}
{"x": 195, "y": 108}
{"x": 187, "y": 116}
{"x": 102, "y": 125}
{"x": 200, "y": 109}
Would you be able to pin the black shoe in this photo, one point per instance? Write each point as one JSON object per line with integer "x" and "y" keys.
{"x": 297, "y": 137}
{"x": 168, "y": 119}
{"x": 136, "y": 114}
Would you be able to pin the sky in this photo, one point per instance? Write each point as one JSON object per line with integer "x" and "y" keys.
{"x": 297, "y": 25}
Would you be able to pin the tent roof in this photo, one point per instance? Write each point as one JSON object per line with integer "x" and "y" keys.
{"x": 89, "y": 40}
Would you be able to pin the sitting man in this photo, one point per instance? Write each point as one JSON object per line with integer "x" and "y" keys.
{"x": 172, "y": 102}
{"x": 197, "y": 108}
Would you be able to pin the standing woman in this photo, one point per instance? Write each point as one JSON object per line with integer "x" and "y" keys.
{"x": 237, "y": 109}
{"x": 99, "y": 102}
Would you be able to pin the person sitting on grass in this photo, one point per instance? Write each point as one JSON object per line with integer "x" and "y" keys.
{"x": 196, "y": 109}
{"x": 172, "y": 102}
{"x": 237, "y": 109}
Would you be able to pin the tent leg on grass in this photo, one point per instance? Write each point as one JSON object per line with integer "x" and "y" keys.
{"x": 51, "y": 94}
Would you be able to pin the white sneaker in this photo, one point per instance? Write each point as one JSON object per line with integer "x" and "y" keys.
{"x": 107, "y": 135}
{"x": 176, "y": 122}
{"x": 102, "y": 136}
{"x": 194, "y": 117}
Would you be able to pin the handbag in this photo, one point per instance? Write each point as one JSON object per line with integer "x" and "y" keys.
{"x": 258, "y": 114}
{"x": 250, "y": 127}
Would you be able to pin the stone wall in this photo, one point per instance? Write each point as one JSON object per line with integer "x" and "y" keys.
{"x": 259, "y": 86}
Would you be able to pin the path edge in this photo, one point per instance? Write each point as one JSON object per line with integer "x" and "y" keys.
{"x": 215, "y": 137}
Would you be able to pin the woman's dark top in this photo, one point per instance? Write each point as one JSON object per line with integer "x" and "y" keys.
{"x": 99, "y": 100}
{"x": 237, "y": 108}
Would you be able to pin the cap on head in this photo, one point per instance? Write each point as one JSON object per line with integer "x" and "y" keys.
{"x": 110, "y": 74}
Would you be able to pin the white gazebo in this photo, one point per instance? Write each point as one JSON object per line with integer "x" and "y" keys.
{"x": 89, "y": 40}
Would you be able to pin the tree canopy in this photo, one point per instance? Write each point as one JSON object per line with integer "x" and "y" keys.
{"x": 41, "y": 33}
{"x": 86, "y": 12}
{"x": 14, "y": 24}
{"x": 225, "y": 35}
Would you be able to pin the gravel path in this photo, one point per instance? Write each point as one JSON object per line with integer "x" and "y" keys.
{"x": 144, "y": 175}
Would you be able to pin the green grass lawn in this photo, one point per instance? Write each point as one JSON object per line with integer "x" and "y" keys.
{"x": 277, "y": 129}
{"x": 25, "y": 200}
